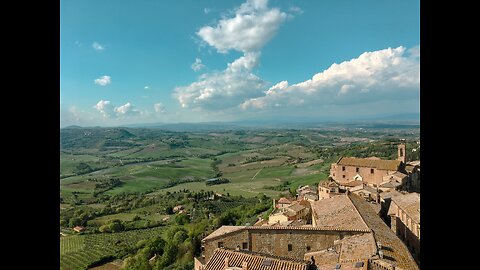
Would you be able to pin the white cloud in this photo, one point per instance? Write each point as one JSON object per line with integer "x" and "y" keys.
{"x": 146, "y": 87}
{"x": 295, "y": 10}
{"x": 250, "y": 27}
{"x": 220, "y": 90}
{"x": 103, "y": 81}
{"x": 104, "y": 107}
{"x": 126, "y": 109}
{"x": 159, "y": 108}
{"x": 387, "y": 74}
{"x": 249, "y": 30}
{"x": 197, "y": 65}
{"x": 206, "y": 10}
{"x": 97, "y": 46}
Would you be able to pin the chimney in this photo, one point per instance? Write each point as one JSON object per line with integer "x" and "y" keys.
{"x": 226, "y": 262}
{"x": 244, "y": 266}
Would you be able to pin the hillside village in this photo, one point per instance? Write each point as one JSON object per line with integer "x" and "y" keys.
{"x": 365, "y": 216}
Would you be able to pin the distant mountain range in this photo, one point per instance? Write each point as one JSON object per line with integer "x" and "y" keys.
{"x": 405, "y": 120}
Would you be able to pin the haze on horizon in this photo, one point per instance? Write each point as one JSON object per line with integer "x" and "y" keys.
{"x": 213, "y": 61}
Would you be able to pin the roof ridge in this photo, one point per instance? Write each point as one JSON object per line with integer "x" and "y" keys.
{"x": 356, "y": 210}
{"x": 294, "y": 228}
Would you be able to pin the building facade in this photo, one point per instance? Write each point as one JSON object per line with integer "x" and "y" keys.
{"x": 404, "y": 215}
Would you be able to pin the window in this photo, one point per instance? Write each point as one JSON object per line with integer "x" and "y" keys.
{"x": 372, "y": 171}
{"x": 327, "y": 190}
{"x": 343, "y": 168}
{"x": 333, "y": 174}
{"x": 357, "y": 169}
{"x": 343, "y": 176}
{"x": 244, "y": 245}
{"x": 220, "y": 244}
{"x": 289, "y": 247}
{"x": 308, "y": 248}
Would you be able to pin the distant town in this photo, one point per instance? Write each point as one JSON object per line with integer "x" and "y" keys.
{"x": 366, "y": 216}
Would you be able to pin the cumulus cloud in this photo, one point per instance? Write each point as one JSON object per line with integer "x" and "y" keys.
{"x": 104, "y": 107}
{"x": 248, "y": 29}
{"x": 252, "y": 26}
{"x": 97, "y": 46}
{"x": 126, "y": 109}
{"x": 197, "y": 65}
{"x": 146, "y": 87}
{"x": 159, "y": 108}
{"x": 206, "y": 10}
{"x": 103, "y": 81}
{"x": 379, "y": 75}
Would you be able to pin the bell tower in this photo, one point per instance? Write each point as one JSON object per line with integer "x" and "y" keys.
{"x": 402, "y": 152}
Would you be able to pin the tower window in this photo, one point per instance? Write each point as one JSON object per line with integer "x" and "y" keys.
{"x": 244, "y": 245}
{"x": 289, "y": 247}
{"x": 343, "y": 176}
{"x": 343, "y": 168}
{"x": 220, "y": 244}
{"x": 372, "y": 170}
{"x": 308, "y": 248}
{"x": 357, "y": 169}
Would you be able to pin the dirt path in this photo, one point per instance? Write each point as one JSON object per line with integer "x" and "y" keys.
{"x": 257, "y": 173}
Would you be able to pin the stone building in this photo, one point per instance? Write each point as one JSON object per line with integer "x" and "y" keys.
{"x": 347, "y": 234}
{"x": 307, "y": 192}
{"x": 282, "y": 203}
{"x": 369, "y": 170}
{"x": 327, "y": 189}
{"x": 413, "y": 181}
{"x": 290, "y": 242}
{"x": 368, "y": 193}
{"x": 404, "y": 215}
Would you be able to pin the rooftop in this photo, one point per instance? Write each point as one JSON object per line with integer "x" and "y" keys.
{"x": 231, "y": 229}
{"x": 296, "y": 207}
{"x": 328, "y": 184}
{"x": 284, "y": 200}
{"x": 389, "y": 194}
{"x": 254, "y": 260}
{"x": 337, "y": 212}
{"x": 391, "y": 165}
{"x": 393, "y": 248}
{"x": 410, "y": 203}
{"x": 346, "y": 252}
{"x": 353, "y": 183}
{"x": 223, "y": 230}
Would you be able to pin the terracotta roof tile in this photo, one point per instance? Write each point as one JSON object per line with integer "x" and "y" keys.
{"x": 337, "y": 212}
{"x": 393, "y": 248}
{"x": 284, "y": 200}
{"x": 254, "y": 260}
{"x": 391, "y": 165}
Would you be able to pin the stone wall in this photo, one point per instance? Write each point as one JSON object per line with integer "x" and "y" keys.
{"x": 276, "y": 242}
{"x": 229, "y": 241}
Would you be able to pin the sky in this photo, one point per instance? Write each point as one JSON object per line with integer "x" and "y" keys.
{"x": 147, "y": 61}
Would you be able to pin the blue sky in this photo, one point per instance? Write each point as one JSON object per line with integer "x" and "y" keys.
{"x": 146, "y": 61}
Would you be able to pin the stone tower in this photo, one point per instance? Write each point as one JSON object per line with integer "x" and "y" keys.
{"x": 402, "y": 152}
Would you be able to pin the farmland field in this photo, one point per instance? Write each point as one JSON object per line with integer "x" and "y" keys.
{"x": 125, "y": 185}
{"x": 81, "y": 251}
